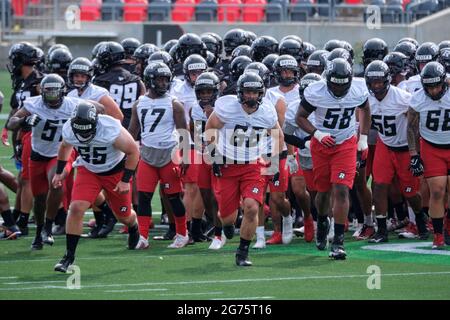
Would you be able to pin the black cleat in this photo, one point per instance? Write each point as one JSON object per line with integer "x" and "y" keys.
{"x": 379, "y": 237}
{"x": 169, "y": 235}
{"x": 24, "y": 230}
{"x": 229, "y": 231}
{"x": 322, "y": 234}
{"x": 337, "y": 251}
{"x": 37, "y": 244}
{"x": 133, "y": 239}
{"x": 242, "y": 259}
{"x": 200, "y": 238}
{"x": 47, "y": 238}
{"x": 64, "y": 264}
{"x": 93, "y": 234}
{"x": 424, "y": 235}
{"x": 11, "y": 233}
{"x": 107, "y": 228}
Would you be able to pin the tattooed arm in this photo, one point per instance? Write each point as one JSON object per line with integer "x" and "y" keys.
{"x": 413, "y": 131}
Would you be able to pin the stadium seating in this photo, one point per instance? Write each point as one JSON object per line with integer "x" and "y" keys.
{"x": 206, "y": 11}
{"x": 276, "y": 10}
{"x": 159, "y": 10}
{"x": 255, "y": 12}
{"x": 112, "y": 10}
{"x": 183, "y": 10}
{"x": 230, "y": 12}
{"x": 417, "y": 9}
{"x": 135, "y": 10}
{"x": 301, "y": 10}
{"x": 90, "y": 10}
{"x": 392, "y": 12}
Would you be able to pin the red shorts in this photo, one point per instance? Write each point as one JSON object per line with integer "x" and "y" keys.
{"x": 191, "y": 175}
{"x": 388, "y": 163}
{"x": 436, "y": 161}
{"x": 282, "y": 184}
{"x": 370, "y": 159}
{"x": 26, "y": 154}
{"x": 148, "y": 176}
{"x": 239, "y": 180}
{"x": 206, "y": 178}
{"x": 309, "y": 179}
{"x": 335, "y": 165}
{"x": 68, "y": 183}
{"x": 88, "y": 185}
{"x": 39, "y": 175}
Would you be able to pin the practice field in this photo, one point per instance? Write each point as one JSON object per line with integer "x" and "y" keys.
{"x": 296, "y": 271}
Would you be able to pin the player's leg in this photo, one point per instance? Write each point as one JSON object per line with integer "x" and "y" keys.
{"x": 364, "y": 195}
{"x": 26, "y": 196}
{"x": 8, "y": 179}
{"x": 11, "y": 229}
{"x": 260, "y": 237}
{"x": 437, "y": 187}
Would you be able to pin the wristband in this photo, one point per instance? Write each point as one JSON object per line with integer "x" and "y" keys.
{"x": 60, "y": 165}
{"x": 127, "y": 174}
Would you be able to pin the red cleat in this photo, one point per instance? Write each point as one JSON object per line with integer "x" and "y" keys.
{"x": 438, "y": 242}
{"x": 309, "y": 229}
{"x": 275, "y": 239}
{"x": 366, "y": 233}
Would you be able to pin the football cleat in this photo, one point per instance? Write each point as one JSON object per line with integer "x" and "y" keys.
{"x": 133, "y": 240}
{"x": 438, "y": 241}
{"x": 331, "y": 231}
{"x": 93, "y": 234}
{"x": 260, "y": 243}
{"x": 379, "y": 237}
{"x": 59, "y": 230}
{"x": 11, "y": 233}
{"x": 179, "y": 242}
{"x": 64, "y": 264}
{"x": 47, "y": 238}
{"x": 242, "y": 259}
{"x": 322, "y": 233}
{"x": 218, "y": 243}
{"x": 200, "y": 238}
{"x": 410, "y": 232}
{"x": 337, "y": 251}
{"x": 309, "y": 229}
{"x": 228, "y": 231}
{"x": 169, "y": 235}
{"x": 107, "y": 228}
{"x": 276, "y": 238}
{"x": 142, "y": 244}
{"x": 447, "y": 230}
{"x": 366, "y": 232}
{"x": 357, "y": 231}
{"x": 287, "y": 232}
{"x": 37, "y": 244}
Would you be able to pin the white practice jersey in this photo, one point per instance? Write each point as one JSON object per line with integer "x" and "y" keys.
{"x": 199, "y": 119}
{"x": 389, "y": 116}
{"x": 335, "y": 116}
{"x": 156, "y": 120}
{"x": 411, "y": 85}
{"x": 186, "y": 95}
{"x": 92, "y": 92}
{"x": 46, "y": 135}
{"x": 242, "y": 136}
{"x": 99, "y": 155}
{"x": 434, "y": 117}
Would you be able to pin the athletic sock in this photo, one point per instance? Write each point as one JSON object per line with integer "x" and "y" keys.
{"x": 421, "y": 222}
{"x": 48, "y": 225}
{"x": 218, "y": 232}
{"x": 260, "y": 232}
{"x": 144, "y": 225}
{"x": 244, "y": 245}
{"x": 381, "y": 223}
{"x": 8, "y": 218}
{"x": 368, "y": 221}
{"x": 180, "y": 225}
{"x": 71, "y": 244}
{"x": 23, "y": 219}
{"x": 438, "y": 225}
{"x": 196, "y": 226}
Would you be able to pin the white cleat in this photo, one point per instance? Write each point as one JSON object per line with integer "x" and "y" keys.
{"x": 358, "y": 230}
{"x": 142, "y": 244}
{"x": 217, "y": 243}
{"x": 288, "y": 232}
{"x": 179, "y": 242}
{"x": 260, "y": 243}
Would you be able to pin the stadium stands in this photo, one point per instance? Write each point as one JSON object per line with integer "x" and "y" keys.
{"x": 183, "y": 10}
{"x": 255, "y": 12}
{"x": 112, "y": 10}
{"x": 229, "y": 10}
{"x": 90, "y": 10}
{"x": 159, "y": 10}
{"x": 206, "y": 11}
{"x": 135, "y": 10}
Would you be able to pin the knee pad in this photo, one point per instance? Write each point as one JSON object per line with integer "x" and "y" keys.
{"x": 144, "y": 204}
{"x": 177, "y": 205}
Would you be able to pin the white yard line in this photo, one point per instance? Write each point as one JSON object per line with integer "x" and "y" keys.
{"x": 32, "y": 282}
{"x": 1, "y": 278}
{"x": 191, "y": 293}
{"x": 136, "y": 290}
{"x": 230, "y": 281}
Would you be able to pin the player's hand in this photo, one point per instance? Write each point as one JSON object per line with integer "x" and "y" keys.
{"x": 58, "y": 179}
{"x": 363, "y": 147}
{"x": 416, "y": 165}
{"x": 5, "y": 137}
{"x": 292, "y": 163}
{"x": 18, "y": 148}
{"x": 122, "y": 187}
{"x": 217, "y": 169}
{"x": 325, "y": 138}
{"x": 183, "y": 168}
{"x": 32, "y": 120}
{"x": 276, "y": 177}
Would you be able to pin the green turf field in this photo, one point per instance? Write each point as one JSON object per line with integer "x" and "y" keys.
{"x": 295, "y": 271}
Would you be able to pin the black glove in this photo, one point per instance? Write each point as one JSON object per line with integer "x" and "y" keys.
{"x": 32, "y": 120}
{"x": 416, "y": 166}
{"x": 217, "y": 169}
{"x": 276, "y": 177}
{"x": 18, "y": 148}
{"x": 359, "y": 162}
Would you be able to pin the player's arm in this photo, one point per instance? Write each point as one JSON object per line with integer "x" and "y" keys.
{"x": 291, "y": 139}
{"x": 126, "y": 144}
{"x": 135, "y": 127}
{"x": 211, "y": 127}
{"x": 64, "y": 152}
{"x": 111, "y": 107}
{"x": 279, "y": 136}
{"x": 21, "y": 118}
{"x": 413, "y": 131}
{"x": 142, "y": 89}
{"x": 280, "y": 107}
{"x": 364, "y": 126}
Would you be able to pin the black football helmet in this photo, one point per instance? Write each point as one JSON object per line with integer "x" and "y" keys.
{"x": 268, "y": 62}
{"x": 426, "y": 52}
{"x": 433, "y": 75}
{"x": 261, "y": 69}
{"x": 53, "y": 90}
{"x": 250, "y": 81}
{"x": 162, "y": 56}
{"x": 308, "y": 50}
{"x": 219, "y": 40}
{"x": 96, "y": 48}
{"x": 377, "y": 71}
{"x": 110, "y": 54}
{"x": 130, "y": 45}
{"x": 317, "y": 61}
{"x": 152, "y": 78}
{"x": 194, "y": 63}
{"x": 330, "y": 45}
{"x": 212, "y": 44}
{"x": 263, "y": 46}
{"x": 211, "y": 59}
{"x": 293, "y": 48}
{"x": 409, "y": 50}
{"x": 237, "y": 66}
{"x": 410, "y": 40}
{"x": 169, "y": 44}
{"x": 251, "y": 36}
{"x": 55, "y": 47}
{"x": 21, "y": 54}
{"x": 242, "y": 50}
{"x": 340, "y": 53}
{"x": 142, "y": 53}
{"x": 82, "y": 66}
{"x": 207, "y": 81}
{"x": 59, "y": 61}
{"x": 347, "y": 46}
{"x": 339, "y": 77}
{"x": 444, "y": 45}
{"x": 84, "y": 122}
{"x": 374, "y": 49}
{"x": 306, "y": 80}
{"x": 292, "y": 37}
{"x": 397, "y": 63}
{"x": 286, "y": 62}
{"x": 444, "y": 59}
{"x": 189, "y": 44}
{"x": 41, "y": 65}
{"x": 175, "y": 53}
{"x": 234, "y": 38}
